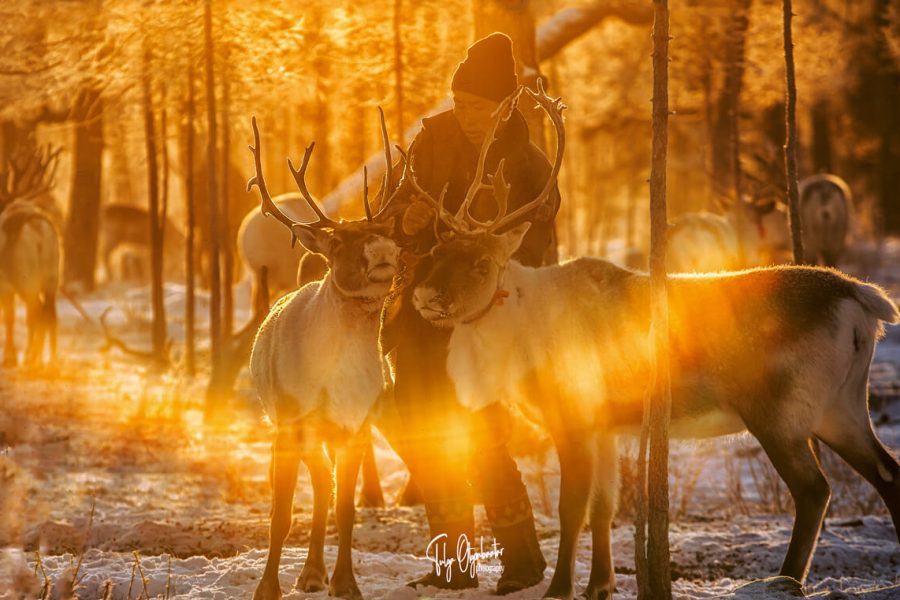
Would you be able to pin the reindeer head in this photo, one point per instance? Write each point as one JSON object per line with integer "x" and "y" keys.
{"x": 466, "y": 275}
{"x": 360, "y": 254}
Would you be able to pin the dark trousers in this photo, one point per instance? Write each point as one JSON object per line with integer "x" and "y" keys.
{"x": 454, "y": 454}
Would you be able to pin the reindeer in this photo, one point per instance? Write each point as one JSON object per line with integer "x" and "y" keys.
{"x": 824, "y": 216}
{"x": 781, "y": 352}
{"x": 129, "y": 226}
{"x": 29, "y": 247}
{"x": 318, "y": 371}
{"x": 700, "y": 242}
{"x": 755, "y": 234}
{"x": 261, "y": 245}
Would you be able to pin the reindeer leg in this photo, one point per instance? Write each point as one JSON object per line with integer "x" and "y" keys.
{"x": 33, "y": 323}
{"x": 602, "y": 582}
{"x": 8, "y": 306}
{"x": 343, "y": 582}
{"x": 285, "y": 462}
{"x": 847, "y": 429}
{"x": 51, "y": 324}
{"x": 372, "y": 494}
{"x": 796, "y": 463}
{"x": 576, "y": 470}
{"x": 314, "y": 576}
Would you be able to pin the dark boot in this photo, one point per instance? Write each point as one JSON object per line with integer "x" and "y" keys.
{"x": 523, "y": 561}
{"x": 450, "y": 519}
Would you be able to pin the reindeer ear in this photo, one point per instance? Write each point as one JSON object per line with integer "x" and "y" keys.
{"x": 315, "y": 240}
{"x": 512, "y": 239}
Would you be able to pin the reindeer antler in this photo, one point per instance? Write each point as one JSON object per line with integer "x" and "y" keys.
{"x": 501, "y": 114}
{"x": 444, "y": 215}
{"x": 268, "y": 206}
{"x": 463, "y": 222}
{"x": 554, "y": 108}
{"x": 31, "y": 171}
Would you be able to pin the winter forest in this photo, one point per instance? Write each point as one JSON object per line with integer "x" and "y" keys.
{"x": 551, "y": 299}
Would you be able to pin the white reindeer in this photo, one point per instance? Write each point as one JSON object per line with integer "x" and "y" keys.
{"x": 318, "y": 371}
{"x": 702, "y": 242}
{"x": 824, "y": 215}
{"x": 782, "y": 352}
{"x": 261, "y": 243}
{"x": 29, "y": 253}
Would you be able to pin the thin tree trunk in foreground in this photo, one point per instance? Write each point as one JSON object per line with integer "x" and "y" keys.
{"x": 189, "y": 305}
{"x": 657, "y": 579}
{"x": 790, "y": 143}
{"x": 227, "y": 245}
{"x": 215, "y": 286}
{"x": 398, "y": 65}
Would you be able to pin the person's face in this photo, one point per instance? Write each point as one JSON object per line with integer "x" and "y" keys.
{"x": 474, "y": 115}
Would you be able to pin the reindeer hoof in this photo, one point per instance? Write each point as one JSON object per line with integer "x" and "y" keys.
{"x": 312, "y": 578}
{"x": 268, "y": 589}
{"x": 346, "y": 589}
{"x": 558, "y": 592}
{"x": 595, "y": 594}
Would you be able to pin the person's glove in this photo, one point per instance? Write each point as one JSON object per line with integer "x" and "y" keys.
{"x": 417, "y": 216}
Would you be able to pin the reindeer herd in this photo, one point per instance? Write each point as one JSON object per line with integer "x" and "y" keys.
{"x": 782, "y": 352}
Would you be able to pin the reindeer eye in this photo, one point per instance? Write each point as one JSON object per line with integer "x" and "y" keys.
{"x": 483, "y": 266}
{"x": 336, "y": 243}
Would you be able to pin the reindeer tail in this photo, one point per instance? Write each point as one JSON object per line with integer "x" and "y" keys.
{"x": 876, "y": 302}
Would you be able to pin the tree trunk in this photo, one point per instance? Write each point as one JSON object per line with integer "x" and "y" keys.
{"x": 215, "y": 306}
{"x": 726, "y": 148}
{"x": 657, "y": 579}
{"x": 83, "y": 221}
{"x": 189, "y": 305}
{"x": 790, "y": 145}
{"x": 227, "y": 239}
{"x": 398, "y": 66}
{"x": 158, "y": 324}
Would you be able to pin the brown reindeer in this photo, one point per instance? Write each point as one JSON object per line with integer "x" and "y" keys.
{"x": 29, "y": 252}
{"x": 782, "y": 352}
{"x": 125, "y": 234}
{"x": 318, "y": 370}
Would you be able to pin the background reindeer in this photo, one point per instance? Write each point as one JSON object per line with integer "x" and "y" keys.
{"x": 318, "y": 370}
{"x": 29, "y": 247}
{"x": 825, "y": 216}
{"x": 782, "y": 352}
{"x": 756, "y": 234}
{"x": 125, "y": 235}
{"x": 261, "y": 243}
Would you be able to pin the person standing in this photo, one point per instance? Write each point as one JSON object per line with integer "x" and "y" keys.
{"x": 456, "y": 455}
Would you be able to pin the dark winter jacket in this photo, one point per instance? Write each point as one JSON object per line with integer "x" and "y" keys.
{"x": 443, "y": 155}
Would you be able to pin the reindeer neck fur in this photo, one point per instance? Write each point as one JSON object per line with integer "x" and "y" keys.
{"x": 490, "y": 356}
{"x": 316, "y": 354}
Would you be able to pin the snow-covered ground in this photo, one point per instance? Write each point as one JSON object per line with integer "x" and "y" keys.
{"x": 107, "y": 474}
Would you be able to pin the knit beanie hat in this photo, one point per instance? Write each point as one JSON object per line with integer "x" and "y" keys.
{"x": 489, "y": 69}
